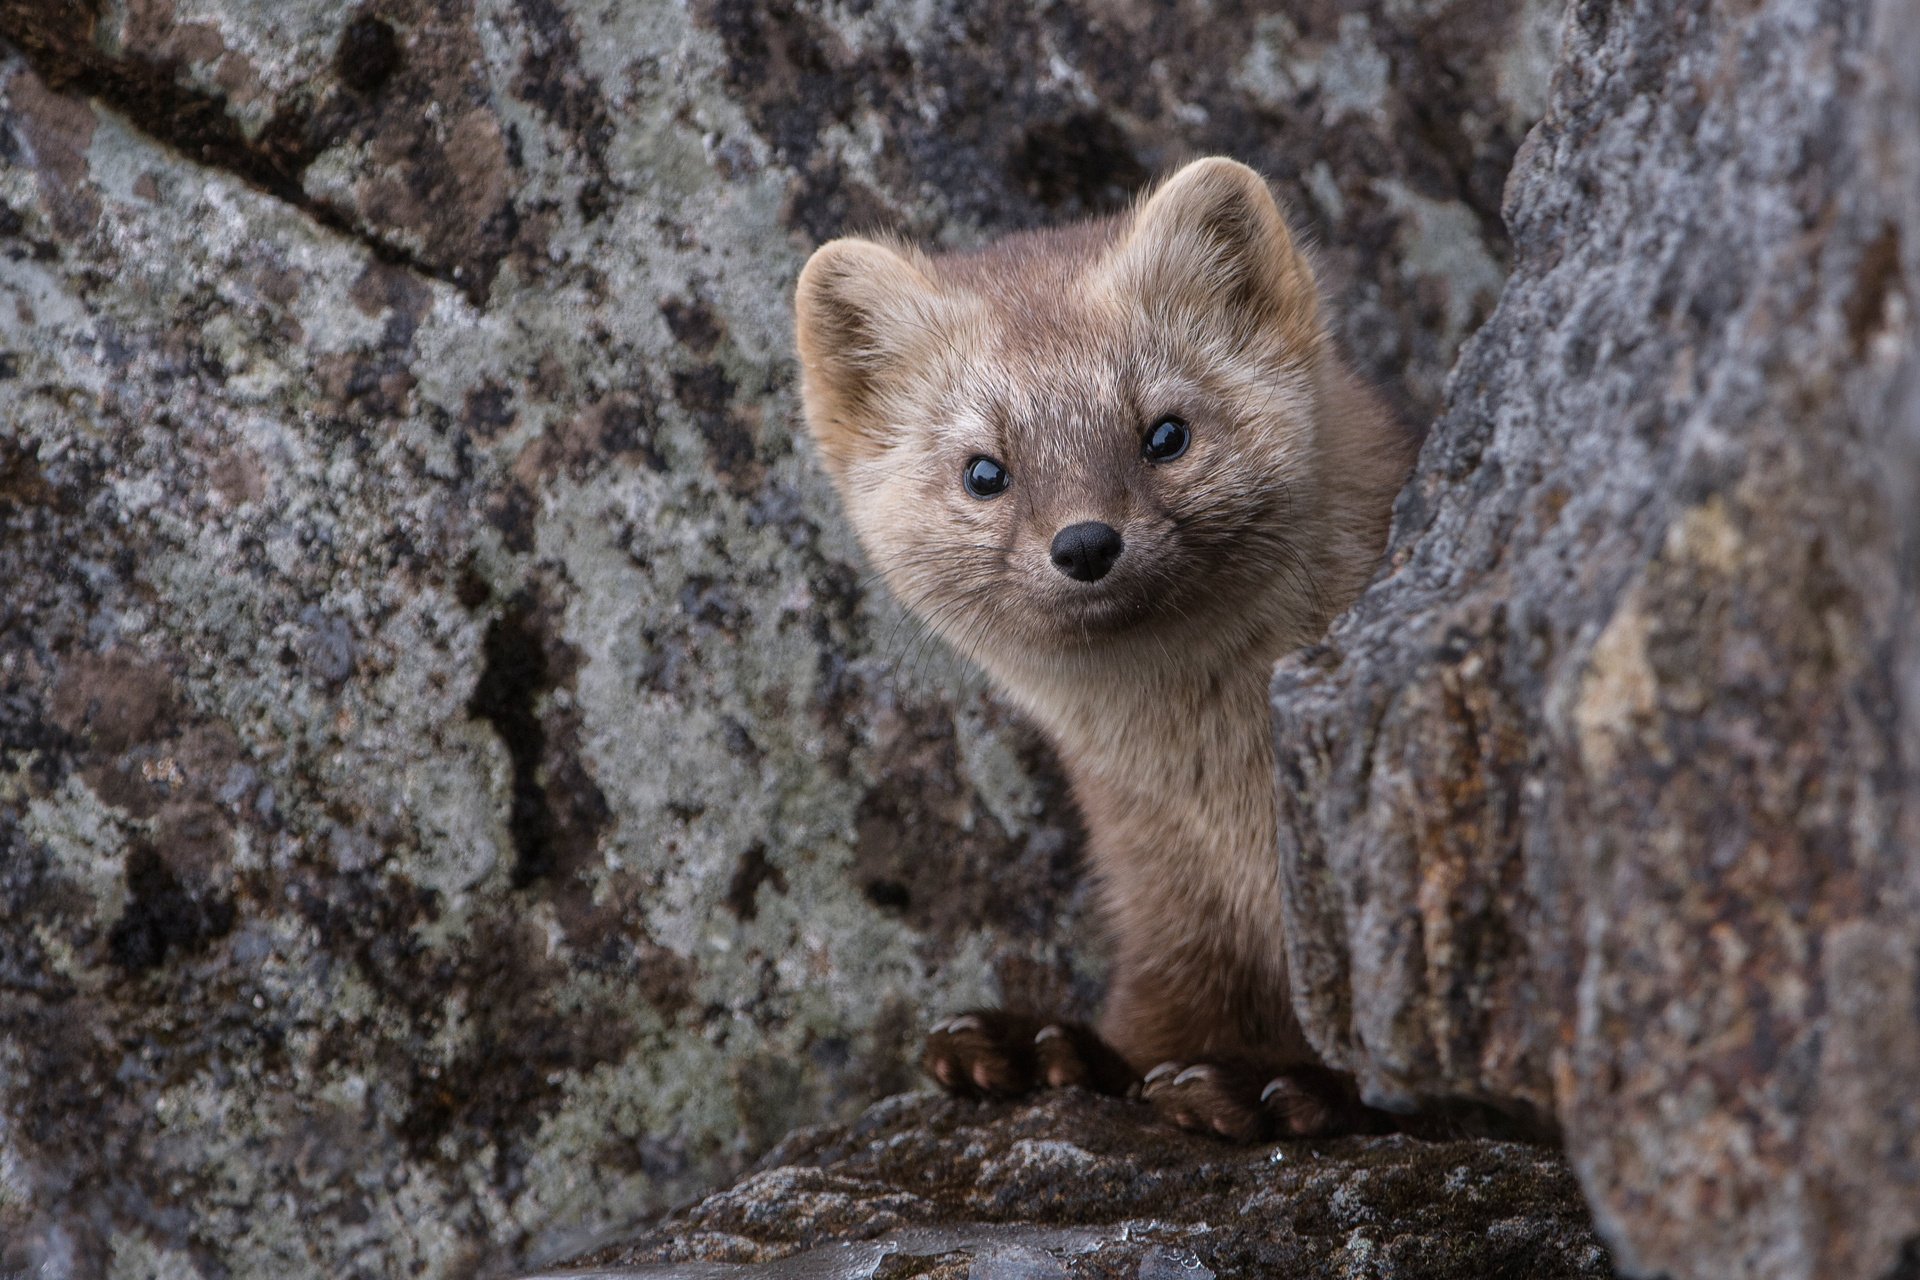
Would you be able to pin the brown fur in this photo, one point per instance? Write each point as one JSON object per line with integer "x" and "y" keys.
{"x": 1053, "y": 353}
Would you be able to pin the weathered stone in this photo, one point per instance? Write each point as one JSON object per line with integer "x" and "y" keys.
{"x": 1076, "y": 1185}
{"x": 1602, "y": 802}
{"x": 459, "y": 792}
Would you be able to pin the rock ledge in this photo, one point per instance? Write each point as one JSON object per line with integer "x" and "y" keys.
{"x": 1076, "y": 1185}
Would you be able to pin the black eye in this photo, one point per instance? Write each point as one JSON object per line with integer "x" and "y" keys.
{"x": 1166, "y": 440}
{"x": 985, "y": 478}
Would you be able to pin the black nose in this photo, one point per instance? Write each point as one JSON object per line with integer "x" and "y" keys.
{"x": 1086, "y": 550}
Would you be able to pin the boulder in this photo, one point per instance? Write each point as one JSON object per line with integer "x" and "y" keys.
{"x": 1600, "y": 806}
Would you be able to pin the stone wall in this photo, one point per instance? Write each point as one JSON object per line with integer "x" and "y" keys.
{"x": 459, "y": 790}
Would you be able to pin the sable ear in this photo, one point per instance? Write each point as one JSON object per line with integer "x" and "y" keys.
{"x": 862, "y": 312}
{"x": 1211, "y": 242}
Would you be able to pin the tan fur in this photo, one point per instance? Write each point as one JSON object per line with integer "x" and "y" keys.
{"x": 1053, "y": 353}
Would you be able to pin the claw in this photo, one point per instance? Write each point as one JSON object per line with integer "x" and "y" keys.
{"x": 1162, "y": 1071}
{"x": 1193, "y": 1073}
{"x": 1280, "y": 1084}
{"x": 963, "y": 1022}
{"x": 1048, "y": 1033}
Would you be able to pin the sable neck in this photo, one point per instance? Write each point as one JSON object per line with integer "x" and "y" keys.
{"x": 1152, "y": 742}
{"x": 1173, "y": 772}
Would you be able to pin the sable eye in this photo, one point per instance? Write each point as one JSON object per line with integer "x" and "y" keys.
{"x": 1166, "y": 440}
{"x": 985, "y": 478}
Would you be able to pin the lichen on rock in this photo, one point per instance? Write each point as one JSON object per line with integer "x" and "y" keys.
{"x": 460, "y": 792}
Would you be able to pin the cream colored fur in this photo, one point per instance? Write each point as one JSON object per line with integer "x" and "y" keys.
{"x": 1054, "y": 353}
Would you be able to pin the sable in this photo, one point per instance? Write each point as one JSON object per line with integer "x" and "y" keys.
{"x": 1123, "y": 467}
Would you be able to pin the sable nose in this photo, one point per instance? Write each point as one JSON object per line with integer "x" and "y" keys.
{"x": 1085, "y": 551}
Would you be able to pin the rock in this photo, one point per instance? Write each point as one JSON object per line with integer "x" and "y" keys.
{"x": 460, "y": 793}
{"x": 1601, "y": 804}
{"x": 1076, "y": 1185}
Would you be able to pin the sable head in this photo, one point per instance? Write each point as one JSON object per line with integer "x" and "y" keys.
{"x": 1082, "y": 435}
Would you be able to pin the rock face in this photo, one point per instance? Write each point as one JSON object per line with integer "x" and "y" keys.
{"x": 1602, "y": 803}
{"x": 458, "y": 792}
{"x": 1077, "y": 1186}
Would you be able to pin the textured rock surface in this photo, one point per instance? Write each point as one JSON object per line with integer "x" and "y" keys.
{"x": 457, "y": 790}
{"x": 1078, "y": 1186}
{"x": 1603, "y": 802}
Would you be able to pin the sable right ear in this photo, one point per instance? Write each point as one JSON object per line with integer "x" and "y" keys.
{"x": 862, "y": 312}
{"x": 1211, "y": 244}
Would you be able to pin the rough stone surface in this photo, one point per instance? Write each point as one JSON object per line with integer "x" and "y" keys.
{"x": 1602, "y": 803}
{"x": 1079, "y": 1186}
{"x": 459, "y": 792}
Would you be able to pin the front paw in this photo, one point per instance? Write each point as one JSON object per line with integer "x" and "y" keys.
{"x": 1244, "y": 1102}
{"x": 995, "y": 1054}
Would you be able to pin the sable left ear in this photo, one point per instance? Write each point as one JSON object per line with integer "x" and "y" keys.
{"x": 862, "y": 311}
{"x": 1211, "y": 242}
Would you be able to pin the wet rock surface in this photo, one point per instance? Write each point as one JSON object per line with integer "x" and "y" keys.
{"x": 459, "y": 791}
{"x": 1602, "y": 802}
{"x": 1076, "y": 1185}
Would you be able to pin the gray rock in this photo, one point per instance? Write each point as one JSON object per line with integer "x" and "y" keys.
{"x": 1601, "y": 804}
{"x": 1075, "y": 1185}
{"x": 459, "y": 791}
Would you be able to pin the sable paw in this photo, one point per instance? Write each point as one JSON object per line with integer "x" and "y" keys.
{"x": 1245, "y": 1103}
{"x": 995, "y": 1054}
{"x": 1208, "y": 1098}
